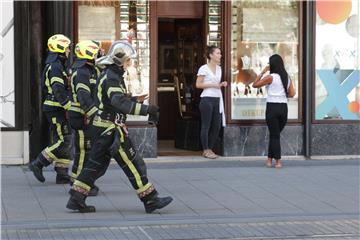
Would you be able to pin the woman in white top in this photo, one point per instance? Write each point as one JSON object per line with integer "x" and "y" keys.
{"x": 211, "y": 104}
{"x": 279, "y": 88}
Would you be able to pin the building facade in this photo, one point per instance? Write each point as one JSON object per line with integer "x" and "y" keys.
{"x": 318, "y": 40}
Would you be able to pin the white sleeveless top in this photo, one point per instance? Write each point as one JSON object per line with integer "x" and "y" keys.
{"x": 210, "y": 77}
{"x": 276, "y": 91}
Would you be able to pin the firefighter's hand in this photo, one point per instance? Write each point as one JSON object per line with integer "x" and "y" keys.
{"x": 142, "y": 98}
{"x": 153, "y": 114}
{"x": 86, "y": 120}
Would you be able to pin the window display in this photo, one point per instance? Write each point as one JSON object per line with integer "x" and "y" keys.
{"x": 96, "y": 23}
{"x": 106, "y": 21}
{"x": 214, "y": 23}
{"x": 337, "y": 85}
{"x": 7, "y": 92}
{"x": 260, "y": 29}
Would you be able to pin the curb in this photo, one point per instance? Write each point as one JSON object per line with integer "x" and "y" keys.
{"x": 190, "y": 159}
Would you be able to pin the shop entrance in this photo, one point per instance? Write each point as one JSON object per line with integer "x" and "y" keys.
{"x": 180, "y": 54}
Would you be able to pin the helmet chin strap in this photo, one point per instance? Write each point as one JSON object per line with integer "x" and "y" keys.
{"x": 62, "y": 57}
{"x": 118, "y": 65}
{"x": 90, "y": 62}
{"x": 117, "y": 61}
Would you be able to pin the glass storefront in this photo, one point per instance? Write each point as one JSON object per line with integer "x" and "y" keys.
{"x": 337, "y": 85}
{"x": 7, "y": 95}
{"x": 106, "y": 21}
{"x": 258, "y": 30}
{"x": 214, "y": 23}
{"x": 248, "y": 31}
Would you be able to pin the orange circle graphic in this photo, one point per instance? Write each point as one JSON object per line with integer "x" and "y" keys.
{"x": 333, "y": 11}
{"x": 354, "y": 107}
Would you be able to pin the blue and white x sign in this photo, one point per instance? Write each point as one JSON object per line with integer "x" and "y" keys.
{"x": 337, "y": 94}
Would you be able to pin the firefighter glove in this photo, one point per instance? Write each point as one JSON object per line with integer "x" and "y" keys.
{"x": 153, "y": 114}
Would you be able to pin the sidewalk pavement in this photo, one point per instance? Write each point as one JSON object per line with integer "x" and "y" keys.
{"x": 307, "y": 199}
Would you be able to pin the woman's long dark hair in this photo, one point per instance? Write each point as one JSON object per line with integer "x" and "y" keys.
{"x": 277, "y": 66}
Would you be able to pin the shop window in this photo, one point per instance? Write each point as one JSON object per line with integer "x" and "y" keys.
{"x": 214, "y": 23}
{"x": 260, "y": 29}
{"x": 7, "y": 95}
{"x": 337, "y": 84}
{"x": 106, "y": 21}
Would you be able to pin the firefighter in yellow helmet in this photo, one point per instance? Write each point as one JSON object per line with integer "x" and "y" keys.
{"x": 55, "y": 104}
{"x": 111, "y": 136}
{"x": 82, "y": 110}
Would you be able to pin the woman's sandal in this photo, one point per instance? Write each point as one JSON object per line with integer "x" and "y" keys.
{"x": 214, "y": 154}
{"x": 204, "y": 153}
{"x": 210, "y": 154}
{"x": 278, "y": 164}
{"x": 269, "y": 163}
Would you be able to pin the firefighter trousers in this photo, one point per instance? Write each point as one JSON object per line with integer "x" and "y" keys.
{"x": 113, "y": 142}
{"x": 82, "y": 147}
{"x": 59, "y": 150}
{"x": 83, "y": 140}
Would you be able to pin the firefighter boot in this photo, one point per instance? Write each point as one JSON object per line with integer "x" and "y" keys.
{"x": 36, "y": 167}
{"x": 153, "y": 202}
{"x": 93, "y": 191}
{"x": 77, "y": 202}
{"x": 62, "y": 176}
